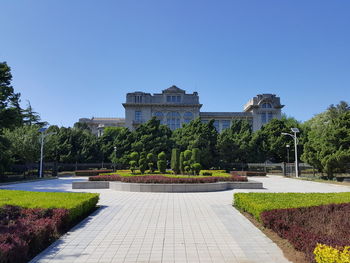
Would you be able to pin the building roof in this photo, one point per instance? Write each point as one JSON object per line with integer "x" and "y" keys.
{"x": 225, "y": 114}
{"x": 174, "y": 89}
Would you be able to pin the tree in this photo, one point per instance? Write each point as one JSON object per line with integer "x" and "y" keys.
{"x": 175, "y": 165}
{"x": 151, "y": 161}
{"x": 328, "y": 140}
{"x": 234, "y": 144}
{"x": 134, "y": 161}
{"x": 10, "y": 111}
{"x": 151, "y": 137}
{"x": 181, "y": 163}
{"x": 195, "y": 157}
{"x": 143, "y": 163}
{"x": 199, "y": 135}
{"x": 161, "y": 162}
{"x": 30, "y": 117}
{"x": 25, "y": 146}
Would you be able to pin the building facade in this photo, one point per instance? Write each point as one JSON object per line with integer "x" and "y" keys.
{"x": 174, "y": 107}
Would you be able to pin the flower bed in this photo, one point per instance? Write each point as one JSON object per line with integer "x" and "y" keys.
{"x": 327, "y": 254}
{"x": 24, "y": 232}
{"x": 256, "y": 203}
{"x": 159, "y": 179}
{"x": 305, "y": 227}
{"x": 31, "y": 221}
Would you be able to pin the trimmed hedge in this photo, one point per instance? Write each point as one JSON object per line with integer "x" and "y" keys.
{"x": 159, "y": 179}
{"x": 256, "y": 203}
{"x": 24, "y": 232}
{"x": 307, "y": 226}
{"x": 248, "y": 173}
{"x": 328, "y": 254}
{"x": 91, "y": 172}
{"x": 78, "y": 204}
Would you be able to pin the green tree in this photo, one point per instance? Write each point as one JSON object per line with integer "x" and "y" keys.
{"x": 175, "y": 164}
{"x": 195, "y": 157}
{"x": 10, "y": 110}
{"x": 151, "y": 137}
{"x": 199, "y": 135}
{"x": 234, "y": 144}
{"x": 181, "y": 163}
{"x": 30, "y": 117}
{"x": 161, "y": 162}
{"x": 151, "y": 162}
{"x": 143, "y": 163}
{"x": 134, "y": 161}
{"x": 328, "y": 140}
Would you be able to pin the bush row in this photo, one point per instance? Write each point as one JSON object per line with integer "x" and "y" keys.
{"x": 159, "y": 179}
{"x": 24, "y": 232}
{"x": 248, "y": 173}
{"x": 328, "y": 254}
{"x": 256, "y": 203}
{"x": 305, "y": 227}
{"x": 78, "y": 204}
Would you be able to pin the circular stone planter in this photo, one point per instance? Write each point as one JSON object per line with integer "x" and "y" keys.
{"x": 167, "y": 188}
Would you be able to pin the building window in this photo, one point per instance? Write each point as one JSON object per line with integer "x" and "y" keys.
{"x": 188, "y": 117}
{"x": 138, "y": 115}
{"x": 225, "y": 124}
{"x": 173, "y": 98}
{"x": 216, "y": 125}
{"x": 266, "y": 117}
{"x": 173, "y": 120}
{"x": 138, "y": 99}
{"x": 266, "y": 106}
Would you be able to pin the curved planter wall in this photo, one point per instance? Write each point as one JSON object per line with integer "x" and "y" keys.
{"x": 168, "y": 188}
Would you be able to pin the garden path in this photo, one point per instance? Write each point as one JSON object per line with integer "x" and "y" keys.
{"x": 168, "y": 227}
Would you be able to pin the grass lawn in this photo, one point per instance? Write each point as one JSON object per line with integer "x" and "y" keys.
{"x": 256, "y": 203}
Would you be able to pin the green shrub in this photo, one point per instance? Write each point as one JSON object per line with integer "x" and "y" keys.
{"x": 206, "y": 173}
{"x": 143, "y": 163}
{"x": 151, "y": 160}
{"x": 328, "y": 254}
{"x": 181, "y": 163}
{"x": 133, "y": 166}
{"x": 256, "y": 203}
{"x": 196, "y": 167}
{"x": 195, "y": 157}
{"x": 161, "y": 162}
{"x": 175, "y": 162}
{"x": 187, "y": 155}
{"x": 78, "y": 204}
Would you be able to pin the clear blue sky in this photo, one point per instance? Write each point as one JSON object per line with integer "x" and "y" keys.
{"x": 75, "y": 59}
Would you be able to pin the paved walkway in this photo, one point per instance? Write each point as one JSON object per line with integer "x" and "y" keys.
{"x": 168, "y": 227}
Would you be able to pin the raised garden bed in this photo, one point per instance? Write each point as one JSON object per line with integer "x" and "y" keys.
{"x": 314, "y": 219}
{"x": 31, "y": 221}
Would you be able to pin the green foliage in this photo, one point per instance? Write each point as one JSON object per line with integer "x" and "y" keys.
{"x": 143, "y": 163}
{"x": 151, "y": 161}
{"x": 161, "y": 162}
{"x": 195, "y": 157}
{"x": 234, "y": 144}
{"x": 181, "y": 163}
{"x": 196, "y": 167}
{"x": 199, "y": 135}
{"x": 256, "y": 203}
{"x": 133, "y": 166}
{"x": 328, "y": 140}
{"x": 328, "y": 254}
{"x": 151, "y": 137}
{"x": 175, "y": 162}
{"x": 187, "y": 155}
{"x": 78, "y": 204}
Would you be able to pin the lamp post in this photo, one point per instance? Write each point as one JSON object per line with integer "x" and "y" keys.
{"x": 287, "y": 146}
{"x": 42, "y": 137}
{"x": 294, "y": 136}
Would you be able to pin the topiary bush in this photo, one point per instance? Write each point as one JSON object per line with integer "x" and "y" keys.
{"x": 175, "y": 162}
{"x": 196, "y": 167}
{"x": 143, "y": 163}
{"x": 161, "y": 162}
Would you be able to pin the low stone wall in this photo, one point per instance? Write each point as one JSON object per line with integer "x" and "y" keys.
{"x": 90, "y": 185}
{"x": 168, "y": 188}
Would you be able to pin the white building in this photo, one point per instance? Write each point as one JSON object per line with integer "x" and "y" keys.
{"x": 174, "y": 107}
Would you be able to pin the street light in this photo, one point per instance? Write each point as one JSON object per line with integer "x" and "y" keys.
{"x": 115, "y": 157}
{"x": 288, "y": 147}
{"x": 295, "y": 131}
{"x": 43, "y": 135}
